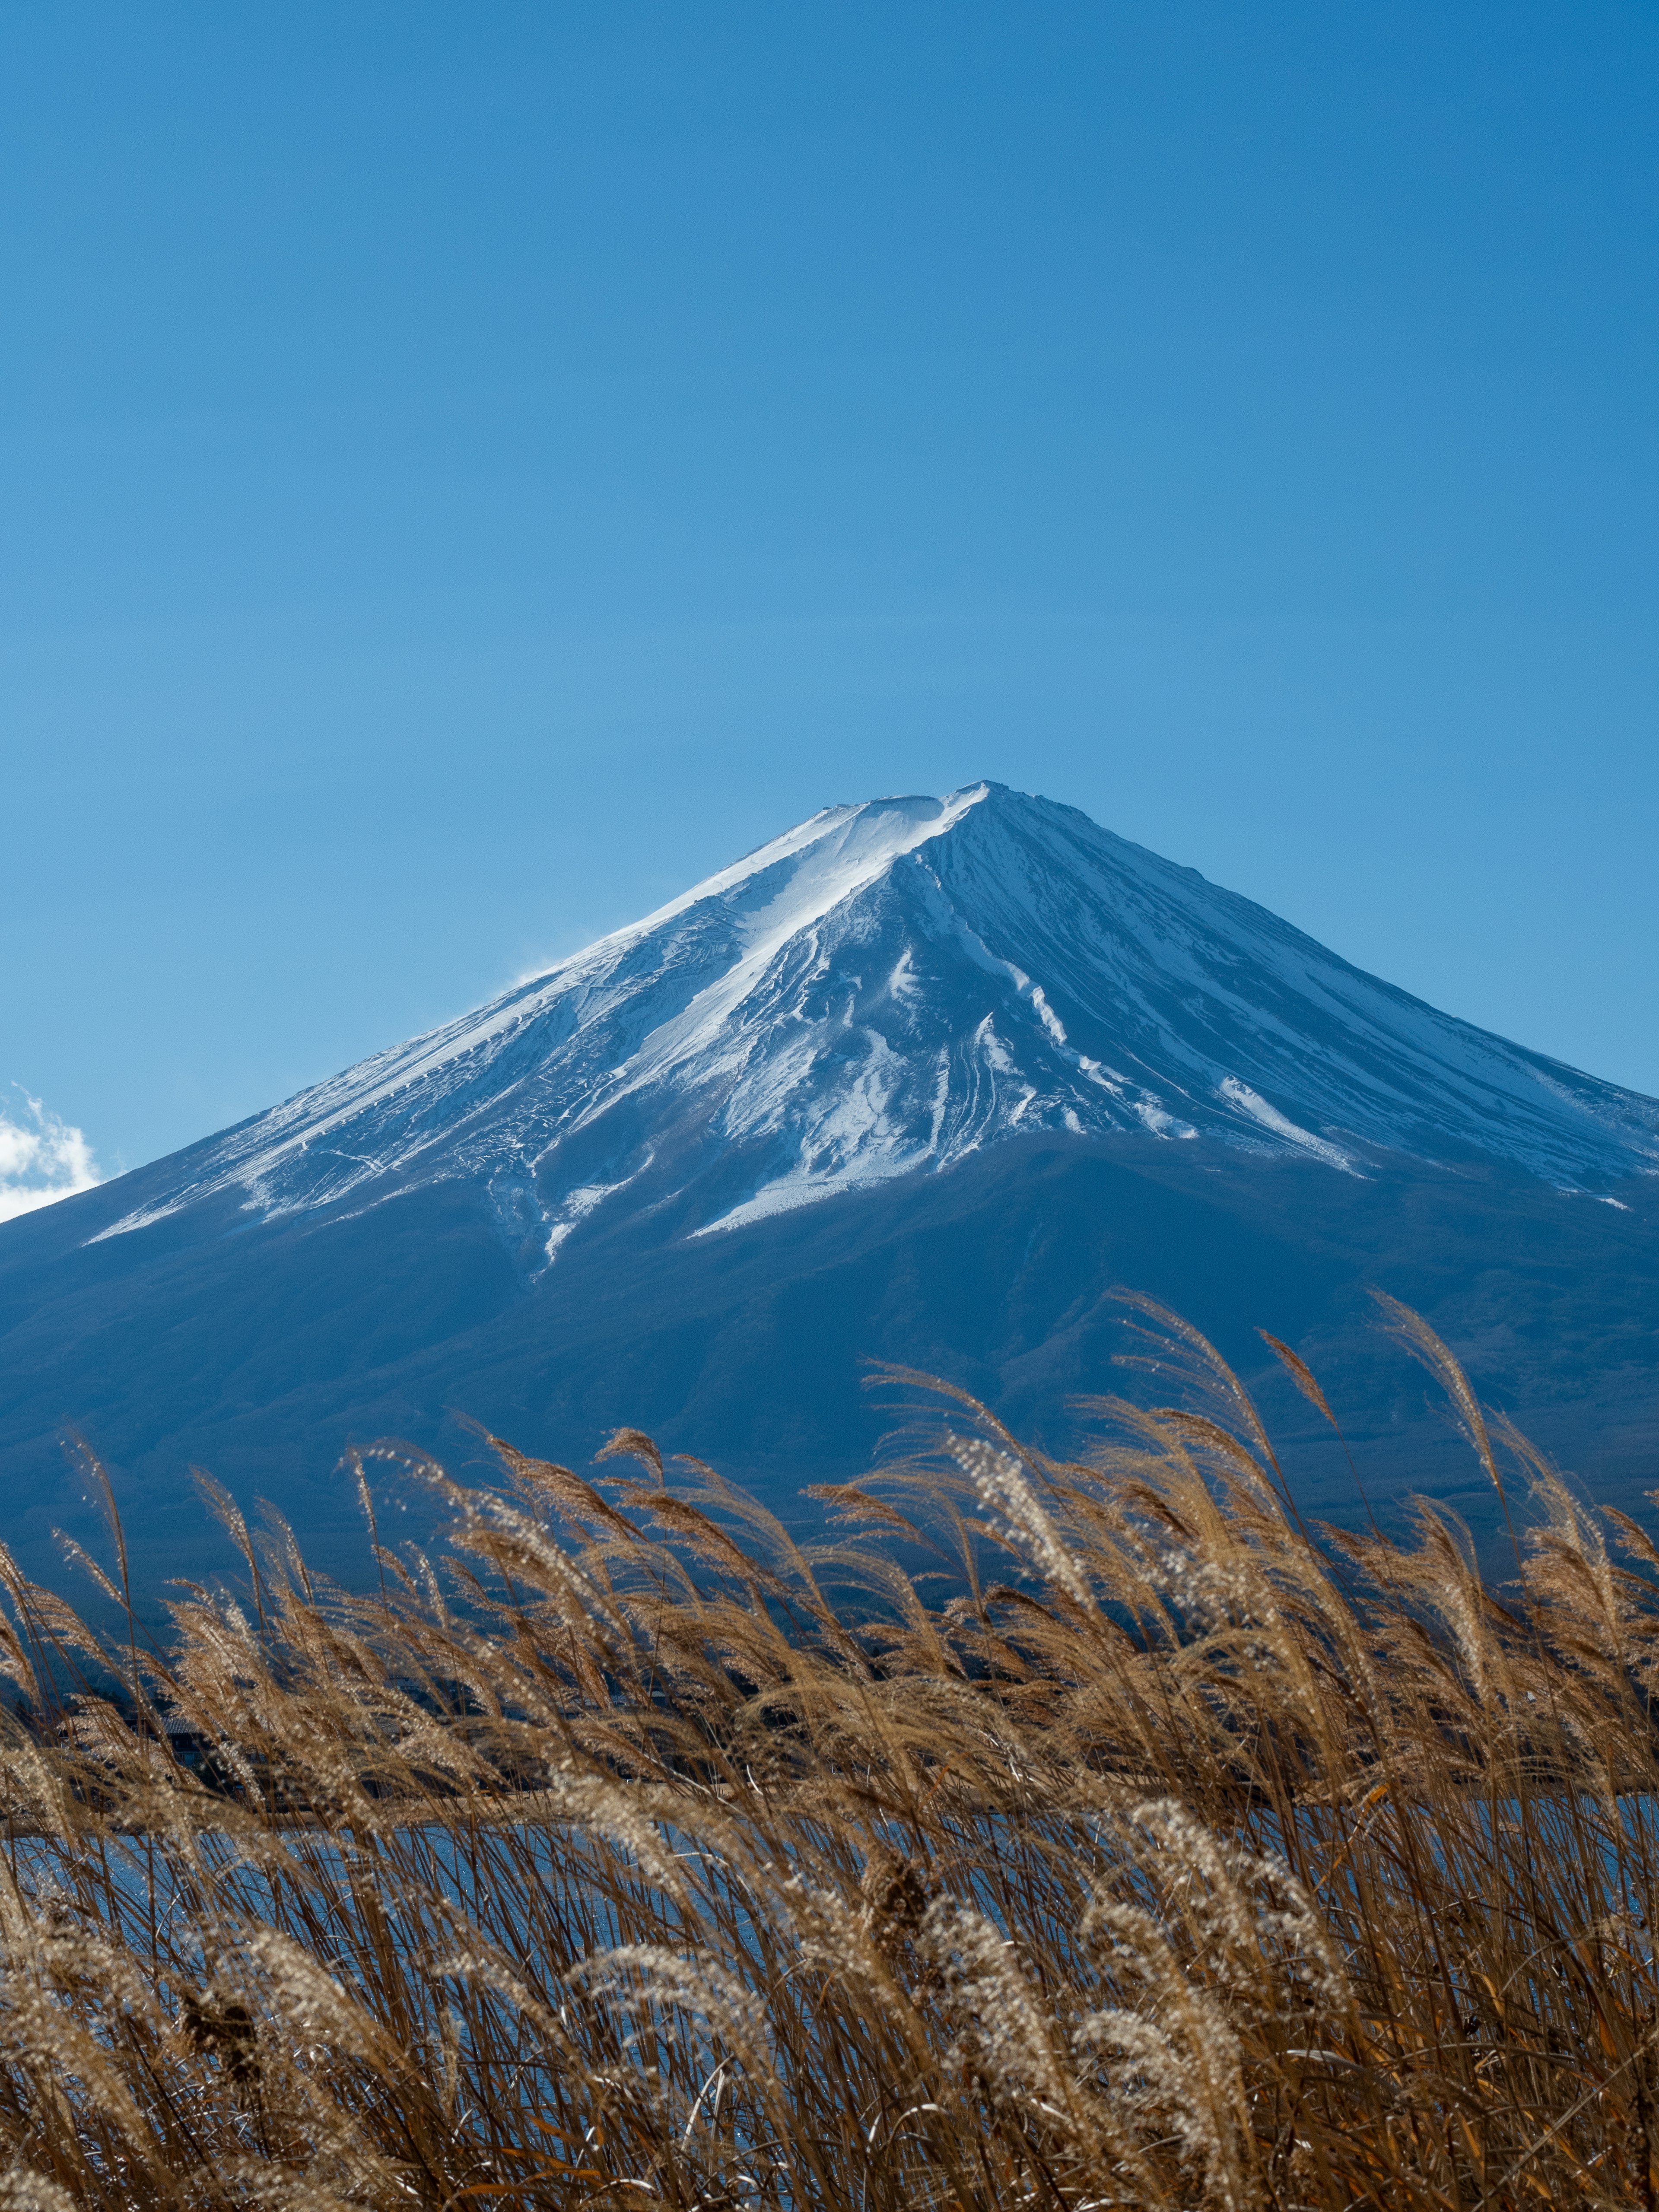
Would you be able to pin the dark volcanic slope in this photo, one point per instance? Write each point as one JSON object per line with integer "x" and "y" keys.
{"x": 922, "y": 1079}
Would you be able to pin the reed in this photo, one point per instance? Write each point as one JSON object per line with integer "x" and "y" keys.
{"x": 1049, "y": 1834}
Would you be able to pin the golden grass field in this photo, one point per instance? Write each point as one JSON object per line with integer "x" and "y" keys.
{"x": 1088, "y": 1834}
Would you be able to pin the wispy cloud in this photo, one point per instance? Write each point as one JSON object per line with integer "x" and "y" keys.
{"x": 41, "y": 1158}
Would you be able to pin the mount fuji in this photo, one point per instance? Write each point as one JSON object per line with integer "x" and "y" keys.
{"x": 922, "y": 1078}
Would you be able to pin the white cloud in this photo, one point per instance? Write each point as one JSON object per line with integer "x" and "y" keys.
{"x": 41, "y": 1158}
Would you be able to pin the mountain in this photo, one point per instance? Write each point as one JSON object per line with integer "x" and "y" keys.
{"x": 889, "y": 989}
{"x": 922, "y": 1077}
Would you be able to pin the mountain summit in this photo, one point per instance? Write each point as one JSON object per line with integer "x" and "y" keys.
{"x": 892, "y": 988}
{"x": 925, "y": 1079}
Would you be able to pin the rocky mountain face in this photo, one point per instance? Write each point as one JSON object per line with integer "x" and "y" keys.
{"x": 843, "y": 1079}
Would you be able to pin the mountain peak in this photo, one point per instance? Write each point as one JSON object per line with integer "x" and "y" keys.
{"x": 882, "y": 991}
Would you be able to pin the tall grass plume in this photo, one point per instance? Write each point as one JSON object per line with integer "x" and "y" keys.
{"x": 1081, "y": 1834}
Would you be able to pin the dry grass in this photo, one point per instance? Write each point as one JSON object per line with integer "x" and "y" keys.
{"x": 635, "y": 1855}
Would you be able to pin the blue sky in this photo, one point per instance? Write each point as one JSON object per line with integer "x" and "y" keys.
{"x": 469, "y": 472}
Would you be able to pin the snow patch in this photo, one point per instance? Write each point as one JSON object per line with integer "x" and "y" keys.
{"x": 578, "y": 1204}
{"x": 1257, "y": 1108}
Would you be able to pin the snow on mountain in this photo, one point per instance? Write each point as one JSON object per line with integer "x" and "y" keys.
{"x": 890, "y": 987}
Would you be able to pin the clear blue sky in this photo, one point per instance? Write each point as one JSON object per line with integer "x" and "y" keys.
{"x": 469, "y": 470}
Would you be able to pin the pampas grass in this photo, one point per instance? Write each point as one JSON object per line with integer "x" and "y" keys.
{"x": 1051, "y": 1834}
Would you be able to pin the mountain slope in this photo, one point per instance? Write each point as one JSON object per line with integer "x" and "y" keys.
{"x": 894, "y": 986}
{"x": 922, "y": 1078}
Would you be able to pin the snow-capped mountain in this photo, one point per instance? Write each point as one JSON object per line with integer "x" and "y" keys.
{"x": 925, "y": 1079}
{"x": 895, "y": 986}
